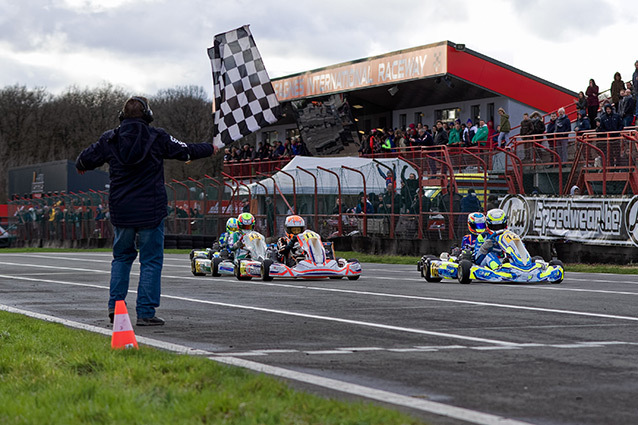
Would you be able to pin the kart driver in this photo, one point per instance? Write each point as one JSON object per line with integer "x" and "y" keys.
{"x": 245, "y": 224}
{"x": 476, "y": 226}
{"x": 489, "y": 253}
{"x": 230, "y": 236}
{"x": 469, "y": 243}
{"x": 288, "y": 246}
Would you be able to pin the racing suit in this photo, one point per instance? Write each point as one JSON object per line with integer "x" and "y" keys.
{"x": 226, "y": 242}
{"x": 489, "y": 253}
{"x": 290, "y": 250}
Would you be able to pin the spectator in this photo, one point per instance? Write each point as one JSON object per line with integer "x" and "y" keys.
{"x": 388, "y": 141}
{"x": 279, "y": 150}
{"x": 505, "y": 127}
{"x": 492, "y": 202}
{"x": 426, "y": 203}
{"x": 388, "y": 198}
{"x": 441, "y": 136}
{"x": 444, "y": 200}
{"x": 470, "y": 202}
{"x": 610, "y": 121}
{"x": 627, "y": 108}
{"x": 389, "y": 176}
{"x": 454, "y": 137}
{"x": 592, "y": 101}
{"x": 364, "y": 205}
{"x": 582, "y": 123}
{"x": 409, "y": 189}
{"x": 616, "y": 87}
{"x": 480, "y": 138}
{"x": 135, "y": 152}
{"x": 339, "y": 207}
{"x": 399, "y": 139}
{"x": 574, "y": 191}
{"x": 526, "y": 125}
{"x": 228, "y": 156}
{"x": 581, "y": 102}
{"x": 246, "y": 153}
{"x": 469, "y": 132}
{"x": 563, "y": 126}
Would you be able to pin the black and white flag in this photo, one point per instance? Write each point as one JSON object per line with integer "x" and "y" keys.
{"x": 244, "y": 97}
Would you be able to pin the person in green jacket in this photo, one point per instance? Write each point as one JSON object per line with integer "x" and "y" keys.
{"x": 505, "y": 127}
{"x": 454, "y": 137}
{"x": 481, "y": 133}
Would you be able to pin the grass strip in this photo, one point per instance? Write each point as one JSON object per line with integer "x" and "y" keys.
{"x": 50, "y": 374}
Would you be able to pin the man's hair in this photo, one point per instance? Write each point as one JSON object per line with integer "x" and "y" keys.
{"x": 133, "y": 108}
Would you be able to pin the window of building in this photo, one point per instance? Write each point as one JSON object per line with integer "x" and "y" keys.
{"x": 383, "y": 122}
{"x": 403, "y": 121}
{"x": 447, "y": 115}
{"x": 270, "y": 136}
{"x": 418, "y": 117}
{"x": 476, "y": 112}
{"x": 490, "y": 112}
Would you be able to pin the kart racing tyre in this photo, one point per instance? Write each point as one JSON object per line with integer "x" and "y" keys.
{"x": 425, "y": 270}
{"x": 558, "y": 263}
{"x": 537, "y": 258}
{"x": 354, "y": 277}
{"x": 193, "y": 270}
{"x": 265, "y": 270}
{"x": 237, "y": 273}
{"x": 214, "y": 266}
{"x": 191, "y": 255}
{"x": 465, "y": 268}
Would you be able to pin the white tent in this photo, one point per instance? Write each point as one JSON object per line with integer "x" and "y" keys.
{"x": 351, "y": 182}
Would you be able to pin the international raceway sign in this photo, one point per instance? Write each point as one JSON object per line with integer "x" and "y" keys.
{"x": 601, "y": 221}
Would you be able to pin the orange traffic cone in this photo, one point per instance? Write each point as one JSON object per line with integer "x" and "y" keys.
{"x": 123, "y": 335}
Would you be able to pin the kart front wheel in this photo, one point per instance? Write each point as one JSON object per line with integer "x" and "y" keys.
{"x": 265, "y": 270}
{"x": 464, "y": 270}
{"x": 558, "y": 263}
{"x": 426, "y": 272}
{"x": 214, "y": 267}
{"x": 238, "y": 272}
{"x": 354, "y": 277}
{"x": 194, "y": 269}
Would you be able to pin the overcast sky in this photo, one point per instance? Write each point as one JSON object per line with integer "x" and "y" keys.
{"x": 148, "y": 45}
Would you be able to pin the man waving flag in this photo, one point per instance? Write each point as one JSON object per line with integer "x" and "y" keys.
{"x": 244, "y": 97}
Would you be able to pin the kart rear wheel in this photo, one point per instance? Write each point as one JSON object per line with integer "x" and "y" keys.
{"x": 265, "y": 270}
{"x": 192, "y": 254}
{"x": 354, "y": 277}
{"x": 425, "y": 270}
{"x": 464, "y": 270}
{"x": 336, "y": 277}
{"x": 558, "y": 263}
{"x": 214, "y": 267}
{"x": 537, "y": 258}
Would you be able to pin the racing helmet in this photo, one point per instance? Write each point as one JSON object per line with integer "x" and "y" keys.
{"x": 496, "y": 221}
{"x": 294, "y": 225}
{"x": 476, "y": 223}
{"x": 246, "y": 222}
{"x": 231, "y": 225}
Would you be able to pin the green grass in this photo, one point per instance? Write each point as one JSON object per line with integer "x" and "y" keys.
{"x": 50, "y": 374}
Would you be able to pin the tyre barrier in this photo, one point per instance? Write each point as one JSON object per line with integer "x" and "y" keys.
{"x": 188, "y": 241}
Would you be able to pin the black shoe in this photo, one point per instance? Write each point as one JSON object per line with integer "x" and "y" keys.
{"x": 111, "y": 314}
{"x": 150, "y": 321}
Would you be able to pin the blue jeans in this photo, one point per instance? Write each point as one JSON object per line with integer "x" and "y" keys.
{"x": 151, "y": 247}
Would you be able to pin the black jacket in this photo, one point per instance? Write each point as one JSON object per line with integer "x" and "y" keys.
{"x": 611, "y": 122}
{"x": 135, "y": 153}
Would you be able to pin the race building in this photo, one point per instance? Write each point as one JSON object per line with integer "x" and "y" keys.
{"x": 330, "y": 107}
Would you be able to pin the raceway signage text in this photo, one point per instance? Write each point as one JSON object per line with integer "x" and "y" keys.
{"x": 607, "y": 221}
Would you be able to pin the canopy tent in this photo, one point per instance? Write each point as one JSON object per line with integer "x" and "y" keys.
{"x": 351, "y": 182}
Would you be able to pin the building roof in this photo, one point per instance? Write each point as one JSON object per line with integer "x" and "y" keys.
{"x": 425, "y": 75}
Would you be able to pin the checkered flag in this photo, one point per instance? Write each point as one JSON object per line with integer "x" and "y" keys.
{"x": 244, "y": 98}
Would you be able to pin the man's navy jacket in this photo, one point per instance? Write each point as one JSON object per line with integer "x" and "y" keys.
{"x": 135, "y": 153}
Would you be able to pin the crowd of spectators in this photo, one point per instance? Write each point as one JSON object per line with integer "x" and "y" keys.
{"x": 266, "y": 151}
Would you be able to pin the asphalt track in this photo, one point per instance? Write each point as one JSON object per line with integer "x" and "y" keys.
{"x": 445, "y": 352}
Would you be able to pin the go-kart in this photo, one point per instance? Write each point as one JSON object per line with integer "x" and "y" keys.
{"x": 201, "y": 260}
{"x": 315, "y": 260}
{"x": 247, "y": 260}
{"x": 517, "y": 265}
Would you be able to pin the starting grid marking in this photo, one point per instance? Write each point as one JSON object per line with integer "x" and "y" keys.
{"x": 422, "y": 349}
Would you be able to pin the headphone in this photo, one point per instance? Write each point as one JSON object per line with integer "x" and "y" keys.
{"x": 147, "y": 112}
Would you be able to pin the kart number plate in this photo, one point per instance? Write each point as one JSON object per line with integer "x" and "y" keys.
{"x": 434, "y": 271}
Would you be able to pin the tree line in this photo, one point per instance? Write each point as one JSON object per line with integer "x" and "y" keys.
{"x": 37, "y": 126}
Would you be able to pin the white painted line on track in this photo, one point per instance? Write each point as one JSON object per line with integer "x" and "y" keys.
{"x": 467, "y": 415}
{"x": 470, "y": 416}
{"x": 295, "y": 314}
